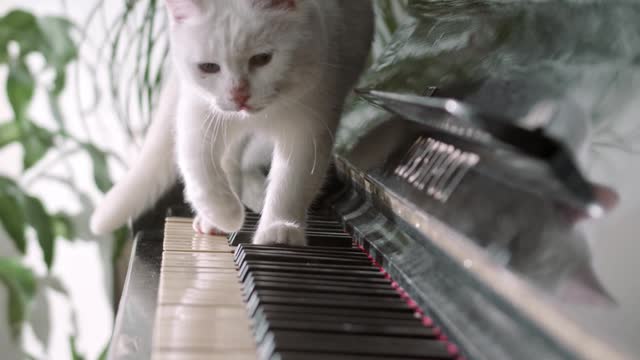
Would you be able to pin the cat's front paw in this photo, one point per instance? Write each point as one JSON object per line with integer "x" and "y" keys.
{"x": 281, "y": 233}
{"x": 226, "y": 219}
{"x": 202, "y": 226}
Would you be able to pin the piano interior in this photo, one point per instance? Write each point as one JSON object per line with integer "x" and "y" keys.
{"x": 449, "y": 226}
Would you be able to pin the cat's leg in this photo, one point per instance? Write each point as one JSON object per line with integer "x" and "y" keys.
{"x": 202, "y": 138}
{"x": 254, "y": 188}
{"x": 301, "y": 156}
{"x": 254, "y": 168}
{"x": 231, "y": 165}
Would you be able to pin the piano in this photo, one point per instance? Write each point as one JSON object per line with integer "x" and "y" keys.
{"x": 448, "y": 225}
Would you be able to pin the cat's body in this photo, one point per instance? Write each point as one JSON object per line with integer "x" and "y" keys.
{"x": 254, "y": 82}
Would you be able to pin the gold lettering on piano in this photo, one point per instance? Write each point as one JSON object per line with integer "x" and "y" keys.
{"x": 435, "y": 167}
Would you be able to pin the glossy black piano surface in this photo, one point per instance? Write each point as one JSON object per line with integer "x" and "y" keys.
{"x": 492, "y": 234}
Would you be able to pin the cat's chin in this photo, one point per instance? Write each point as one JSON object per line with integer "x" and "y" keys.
{"x": 244, "y": 112}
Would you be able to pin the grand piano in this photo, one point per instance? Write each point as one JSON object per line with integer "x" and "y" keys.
{"x": 452, "y": 222}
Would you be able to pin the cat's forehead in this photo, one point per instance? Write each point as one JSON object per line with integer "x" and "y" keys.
{"x": 237, "y": 28}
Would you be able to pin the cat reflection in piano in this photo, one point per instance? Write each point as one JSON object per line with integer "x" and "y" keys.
{"x": 251, "y": 79}
{"x": 550, "y": 249}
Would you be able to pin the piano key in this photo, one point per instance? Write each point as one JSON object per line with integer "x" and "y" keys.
{"x": 292, "y": 355}
{"x": 335, "y": 270}
{"x": 373, "y": 283}
{"x": 356, "y": 255}
{"x": 251, "y": 286}
{"x": 318, "y": 294}
{"x": 346, "y": 317}
{"x": 211, "y": 313}
{"x": 315, "y": 249}
{"x": 185, "y": 355}
{"x": 294, "y": 259}
{"x": 345, "y": 327}
{"x": 211, "y": 336}
{"x": 344, "y": 302}
{"x": 360, "y": 345}
{"x": 331, "y": 311}
{"x": 335, "y": 226}
{"x": 332, "y": 240}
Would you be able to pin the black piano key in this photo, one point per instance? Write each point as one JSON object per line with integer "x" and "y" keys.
{"x": 283, "y": 258}
{"x": 345, "y": 327}
{"x": 399, "y": 320}
{"x": 338, "y": 301}
{"x": 330, "y": 227}
{"x": 238, "y": 238}
{"x": 357, "y": 254}
{"x": 337, "y": 270}
{"x": 265, "y": 323}
{"x": 255, "y": 285}
{"x": 330, "y": 241}
{"x": 354, "y": 282}
{"x": 314, "y": 250}
{"x": 276, "y": 309}
{"x": 293, "y": 355}
{"x": 349, "y": 344}
{"x": 291, "y": 258}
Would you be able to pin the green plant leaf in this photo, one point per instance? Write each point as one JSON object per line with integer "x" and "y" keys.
{"x": 56, "y": 112}
{"x": 36, "y": 142}
{"x": 100, "y": 168}
{"x": 12, "y": 220}
{"x": 105, "y": 352}
{"x": 54, "y": 283}
{"x": 75, "y": 355}
{"x": 120, "y": 236}
{"x": 41, "y": 221}
{"x": 9, "y": 133}
{"x": 21, "y": 27}
{"x": 20, "y": 87}
{"x": 21, "y": 285}
{"x": 12, "y": 212}
{"x": 62, "y": 226}
{"x": 59, "y": 82}
{"x": 58, "y": 48}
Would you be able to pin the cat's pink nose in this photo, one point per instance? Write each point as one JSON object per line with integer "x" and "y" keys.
{"x": 240, "y": 94}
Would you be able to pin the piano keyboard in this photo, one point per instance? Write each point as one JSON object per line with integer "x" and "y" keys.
{"x": 224, "y": 298}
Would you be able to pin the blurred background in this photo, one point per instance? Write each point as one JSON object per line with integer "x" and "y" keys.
{"x": 79, "y": 80}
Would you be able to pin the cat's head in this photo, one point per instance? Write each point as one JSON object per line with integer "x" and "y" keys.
{"x": 243, "y": 56}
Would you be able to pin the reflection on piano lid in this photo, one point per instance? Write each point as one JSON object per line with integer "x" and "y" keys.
{"x": 542, "y": 163}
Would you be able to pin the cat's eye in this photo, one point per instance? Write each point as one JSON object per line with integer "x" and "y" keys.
{"x": 209, "y": 68}
{"x": 260, "y": 60}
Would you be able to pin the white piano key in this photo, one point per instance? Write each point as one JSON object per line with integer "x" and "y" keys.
{"x": 201, "y": 314}
{"x": 229, "y": 355}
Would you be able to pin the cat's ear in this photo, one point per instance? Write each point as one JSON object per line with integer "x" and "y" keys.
{"x": 183, "y": 10}
{"x": 276, "y": 4}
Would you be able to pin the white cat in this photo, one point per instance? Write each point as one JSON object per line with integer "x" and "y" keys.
{"x": 248, "y": 72}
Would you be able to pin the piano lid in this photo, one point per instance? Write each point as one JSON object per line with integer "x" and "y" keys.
{"x": 565, "y": 74}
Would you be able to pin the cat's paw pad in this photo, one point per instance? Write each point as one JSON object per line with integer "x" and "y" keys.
{"x": 202, "y": 226}
{"x": 281, "y": 233}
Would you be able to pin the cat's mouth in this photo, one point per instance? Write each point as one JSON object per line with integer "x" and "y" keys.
{"x": 249, "y": 109}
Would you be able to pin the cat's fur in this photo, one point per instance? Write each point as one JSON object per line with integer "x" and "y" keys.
{"x": 319, "y": 48}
